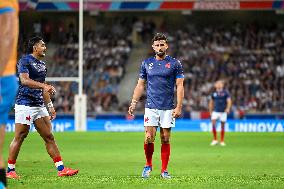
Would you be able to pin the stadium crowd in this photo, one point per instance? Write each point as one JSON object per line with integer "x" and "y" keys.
{"x": 105, "y": 55}
{"x": 249, "y": 58}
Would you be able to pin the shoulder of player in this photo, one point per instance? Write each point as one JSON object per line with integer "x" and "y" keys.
{"x": 173, "y": 60}
{"x": 29, "y": 59}
{"x": 227, "y": 92}
{"x": 213, "y": 94}
{"x": 24, "y": 59}
{"x": 148, "y": 60}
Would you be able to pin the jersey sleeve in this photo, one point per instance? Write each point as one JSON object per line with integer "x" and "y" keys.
{"x": 228, "y": 96}
{"x": 179, "y": 70}
{"x": 212, "y": 96}
{"x": 143, "y": 73}
{"x": 8, "y": 6}
{"x": 4, "y": 10}
{"x": 23, "y": 66}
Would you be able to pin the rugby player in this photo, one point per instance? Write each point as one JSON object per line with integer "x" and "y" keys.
{"x": 161, "y": 73}
{"x": 30, "y": 108}
{"x": 219, "y": 107}
{"x": 9, "y": 23}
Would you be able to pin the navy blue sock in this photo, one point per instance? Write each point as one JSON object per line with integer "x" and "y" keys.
{"x": 3, "y": 179}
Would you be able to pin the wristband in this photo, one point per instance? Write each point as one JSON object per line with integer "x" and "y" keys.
{"x": 50, "y": 105}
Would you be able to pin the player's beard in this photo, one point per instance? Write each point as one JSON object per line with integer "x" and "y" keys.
{"x": 42, "y": 54}
{"x": 160, "y": 53}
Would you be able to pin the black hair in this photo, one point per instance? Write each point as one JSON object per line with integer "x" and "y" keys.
{"x": 32, "y": 42}
{"x": 160, "y": 36}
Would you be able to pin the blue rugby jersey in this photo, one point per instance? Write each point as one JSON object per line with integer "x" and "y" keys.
{"x": 161, "y": 78}
{"x": 220, "y": 100}
{"x": 37, "y": 72}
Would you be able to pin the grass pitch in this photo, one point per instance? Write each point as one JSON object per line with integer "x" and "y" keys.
{"x": 115, "y": 160}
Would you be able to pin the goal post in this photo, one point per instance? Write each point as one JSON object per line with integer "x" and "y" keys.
{"x": 81, "y": 99}
{"x": 80, "y": 112}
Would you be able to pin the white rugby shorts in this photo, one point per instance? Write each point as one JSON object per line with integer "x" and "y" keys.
{"x": 27, "y": 115}
{"x": 159, "y": 118}
{"x": 219, "y": 115}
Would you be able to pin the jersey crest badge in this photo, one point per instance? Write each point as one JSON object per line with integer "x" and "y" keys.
{"x": 168, "y": 65}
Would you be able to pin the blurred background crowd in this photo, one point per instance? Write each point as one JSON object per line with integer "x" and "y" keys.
{"x": 249, "y": 57}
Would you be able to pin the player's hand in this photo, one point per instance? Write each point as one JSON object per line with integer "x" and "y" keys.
{"x": 132, "y": 107}
{"x": 227, "y": 111}
{"x": 177, "y": 112}
{"x": 50, "y": 89}
{"x": 52, "y": 113}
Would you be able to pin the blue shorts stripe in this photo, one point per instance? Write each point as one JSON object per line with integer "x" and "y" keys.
{"x": 8, "y": 90}
{"x": 180, "y": 76}
{"x": 6, "y": 9}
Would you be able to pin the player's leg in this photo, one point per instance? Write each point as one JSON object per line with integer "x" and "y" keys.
{"x": 223, "y": 120}
{"x": 3, "y": 181}
{"x": 150, "y": 123}
{"x": 222, "y": 133}
{"x": 167, "y": 122}
{"x": 21, "y": 132}
{"x": 43, "y": 126}
{"x": 214, "y": 118}
{"x": 165, "y": 134}
{"x": 150, "y": 133}
{"x": 8, "y": 90}
{"x": 3, "y": 118}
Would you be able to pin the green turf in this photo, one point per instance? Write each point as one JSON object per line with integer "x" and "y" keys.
{"x": 115, "y": 160}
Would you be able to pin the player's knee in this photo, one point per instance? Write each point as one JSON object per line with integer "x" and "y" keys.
{"x": 149, "y": 138}
{"x": 21, "y": 136}
{"x": 165, "y": 140}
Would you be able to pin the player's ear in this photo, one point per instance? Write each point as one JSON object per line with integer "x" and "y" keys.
{"x": 167, "y": 46}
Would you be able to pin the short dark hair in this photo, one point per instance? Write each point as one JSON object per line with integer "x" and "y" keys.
{"x": 32, "y": 42}
{"x": 160, "y": 36}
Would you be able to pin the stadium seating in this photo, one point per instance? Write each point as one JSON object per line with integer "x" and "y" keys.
{"x": 105, "y": 55}
{"x": 248, "y": 57}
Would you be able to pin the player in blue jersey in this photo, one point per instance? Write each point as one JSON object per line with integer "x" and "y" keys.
{"x": 8, "y": 80}
{"x": 219, "y": 106}
{"x": 30, "y": 108}
{"x": 161, "y": 74}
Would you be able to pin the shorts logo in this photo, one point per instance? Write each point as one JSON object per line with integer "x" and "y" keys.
{"x": 172, "y": 121}
{"x": 146, "y": 119}
{"x": 28, "y": 118}
{"x": 168, "y": 65}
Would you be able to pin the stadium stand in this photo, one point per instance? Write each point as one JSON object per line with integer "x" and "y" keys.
{"x": 249, "y": 58}
{"x": 105, "y": 57}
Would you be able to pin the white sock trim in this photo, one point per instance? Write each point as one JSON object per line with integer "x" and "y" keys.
{"x": 11, "y": 166}
{"x": 57, "y": 164}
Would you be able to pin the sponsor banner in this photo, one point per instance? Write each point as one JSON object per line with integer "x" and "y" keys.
{"x": 59, "y": 125}
{"x": 122, "y": 125}
{"x": 106, "y": 5}
{"x": 216, "y": 5}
